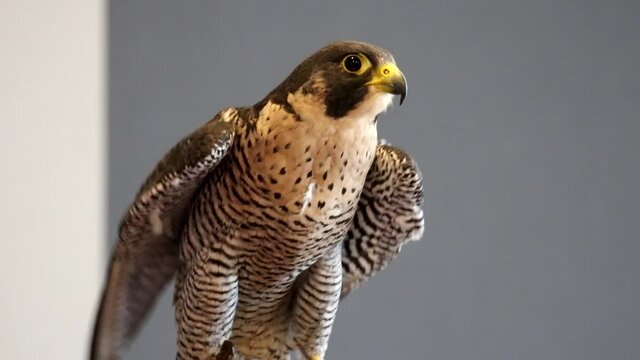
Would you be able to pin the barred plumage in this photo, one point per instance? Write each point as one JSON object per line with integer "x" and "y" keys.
{"x": 389, "y": 215}
{"x": 268, "y": 215}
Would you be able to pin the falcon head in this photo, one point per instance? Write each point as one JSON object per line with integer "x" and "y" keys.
{"x": 344, "y": 79}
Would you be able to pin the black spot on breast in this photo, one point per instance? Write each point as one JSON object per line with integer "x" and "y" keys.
{"x": 344, "y": 191}
{"x": 283, "y": 171}
{"x": 277, "y": 195}
{"x": 260, "y": 178}
{"x": 287, "y": 146}
{"x": 298, "y": 180}
{"x": 309, "y": 174}
{"x": 321, "y": 204}
{"x": 324, "y": 176}
{"x": 273, "y": 181}
{"x": 276, "y": 149}
{"x": 330, "y": 187}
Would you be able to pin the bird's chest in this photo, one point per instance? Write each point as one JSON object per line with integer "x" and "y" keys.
{"x": 306, "y": 180}
{"x": 313, "y": 170}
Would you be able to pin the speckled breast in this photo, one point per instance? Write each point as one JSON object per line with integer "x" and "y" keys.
{"x": 309, "y": 176}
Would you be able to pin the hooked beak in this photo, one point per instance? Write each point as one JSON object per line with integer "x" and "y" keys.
{"x": 390, "y": 79}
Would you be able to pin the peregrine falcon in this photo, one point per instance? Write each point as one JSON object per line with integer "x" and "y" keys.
{"x": 268, "y": 215}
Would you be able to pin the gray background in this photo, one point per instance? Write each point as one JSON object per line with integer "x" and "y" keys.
{"x": 523, "y": 115}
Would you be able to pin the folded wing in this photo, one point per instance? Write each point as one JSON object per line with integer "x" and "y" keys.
{"x": 389, "y": 215}
{"x": 145, "y": 257}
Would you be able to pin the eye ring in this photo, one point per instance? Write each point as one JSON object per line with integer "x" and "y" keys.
{"x": 356, "y": 64}
{"x": 352, "y": 63}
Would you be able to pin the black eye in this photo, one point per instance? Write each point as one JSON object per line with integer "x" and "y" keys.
{"x": 352, "y": 63}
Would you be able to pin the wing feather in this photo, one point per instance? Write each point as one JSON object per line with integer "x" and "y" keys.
{"x": 389, "y": 215}
{"x": 145, "y": 257}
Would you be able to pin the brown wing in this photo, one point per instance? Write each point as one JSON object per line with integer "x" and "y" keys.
{"x": 146, "y": 255}
{"x": 389, "y": 215}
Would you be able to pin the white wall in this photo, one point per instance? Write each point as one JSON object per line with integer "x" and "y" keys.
{"x": 52, "y": 165}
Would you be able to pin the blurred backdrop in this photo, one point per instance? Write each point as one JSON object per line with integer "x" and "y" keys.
{"x": 523, "y": 115}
